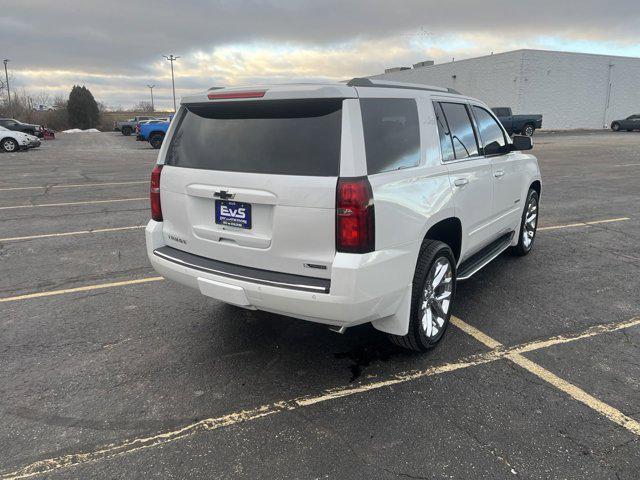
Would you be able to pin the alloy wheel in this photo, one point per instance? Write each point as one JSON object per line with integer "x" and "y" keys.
{"x": 9, "y": 145}
{"x": 436, "y": 297}
{"x": 530, "y": 222}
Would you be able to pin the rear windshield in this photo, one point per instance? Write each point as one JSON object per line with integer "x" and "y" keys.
{"x": 287, "y": 137}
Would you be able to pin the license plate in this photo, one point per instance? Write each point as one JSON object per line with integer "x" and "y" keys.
{"x": 233, "y": 214}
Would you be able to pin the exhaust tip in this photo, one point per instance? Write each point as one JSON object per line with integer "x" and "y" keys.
{"x": 337, "y": 329}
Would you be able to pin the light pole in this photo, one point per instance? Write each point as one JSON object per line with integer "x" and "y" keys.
{"x": 171, "y": 58}
{"x": 6, "y": 76}
{"x": 151, "y": 87}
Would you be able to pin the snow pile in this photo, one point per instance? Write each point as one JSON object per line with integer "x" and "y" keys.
{"x": 78, "y": 130}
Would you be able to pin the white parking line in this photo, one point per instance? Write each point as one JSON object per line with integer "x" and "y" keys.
{"x": 129, "y": 446}
{"x": 66, "y": 234}
{"x": 102, "y": 230}
{"x": 88, "y": 202}
{"x": 74, "y": 185}
{"x": 86, "y": 288}
{"x": 584, "y": 224}
{"x": 573, "y": 391}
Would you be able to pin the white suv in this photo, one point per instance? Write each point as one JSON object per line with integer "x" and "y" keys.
{"x": 12, "y": 141}
{"x": 340, "y": 203}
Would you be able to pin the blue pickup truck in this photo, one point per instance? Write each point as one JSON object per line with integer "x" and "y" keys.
{"x": 153, "y": 132}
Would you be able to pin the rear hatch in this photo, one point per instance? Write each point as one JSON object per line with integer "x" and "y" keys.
{"x": 253, "y": 183}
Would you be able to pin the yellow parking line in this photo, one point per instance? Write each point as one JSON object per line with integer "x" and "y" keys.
{"x": 574, "y": 392}
{"x": 89, "y": 202}
{"x": 584, "y": 224}
{"x": 577, "y": 393}
{"x": 561, "y": 339}
{"x": 86, "y": 288}
{"x": 136, "y": 444}
{"x": 66, "y": 234}
{"x": 74, "y": 185}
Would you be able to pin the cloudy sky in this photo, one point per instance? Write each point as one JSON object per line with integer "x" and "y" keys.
{"x": 115, "y": 48}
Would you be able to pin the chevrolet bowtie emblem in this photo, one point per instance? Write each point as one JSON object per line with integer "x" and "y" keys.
{"x": 224, "y": 195}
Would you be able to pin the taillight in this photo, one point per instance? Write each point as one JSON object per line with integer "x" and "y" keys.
{"x": 154, "y": 194}
{"x": 237, "y": 94}
{"x": 355, "y": 222}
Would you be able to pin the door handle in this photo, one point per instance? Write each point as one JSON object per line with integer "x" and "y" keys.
{"x": 498, "y": 173}
{"x": 460, "y": 182}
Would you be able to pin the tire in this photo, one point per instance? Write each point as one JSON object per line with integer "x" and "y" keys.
{"x": 528, "y": 130}
{"x": 156, "y": 140}
{"x": 426, "y": 327}
{"x": 527, "y": 233}
{"x": 126, "y": 131}
{"x": 615, "y": 126}
{"x": 9, "y": 145}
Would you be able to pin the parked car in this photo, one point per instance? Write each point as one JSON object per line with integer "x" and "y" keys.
{"x": 632, "y": 122}
{"x": 18, "y": 126}
{"x": 340, "y": 203}
{"x": 127, "y": 127}
{"x": 153, "y": 132}
{"x": 12, "y": 140}
{"x": 33, "y": 141}
{"x": 142, "y": 122}
{"x": 522, "y": 124}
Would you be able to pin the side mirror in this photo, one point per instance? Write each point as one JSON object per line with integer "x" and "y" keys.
{"x": 494, "y": 148}
{"x": 521, "y": 142}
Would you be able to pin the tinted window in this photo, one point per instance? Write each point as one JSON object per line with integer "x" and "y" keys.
{"x": 490, "y": 132}
{"x": 464, "y": 140}
{"x": 501, "y": 112}
{"x": 445, "y": 136}
{"x": 288, "y": 137}
{"x": 391, "y": 133}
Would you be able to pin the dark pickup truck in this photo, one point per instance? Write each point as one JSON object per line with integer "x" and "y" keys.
{"x": 521, "y": 124}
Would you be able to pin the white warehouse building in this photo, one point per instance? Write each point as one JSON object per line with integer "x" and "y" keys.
{"x": 570, "y": 90}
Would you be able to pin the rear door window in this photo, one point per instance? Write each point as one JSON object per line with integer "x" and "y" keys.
{"x": 391, "y": 133}
{"x": 446, "y": 144}
{"x": 490, "y": 132}
{"x": 286, "y": 137}
{"x": 462, "y": 134}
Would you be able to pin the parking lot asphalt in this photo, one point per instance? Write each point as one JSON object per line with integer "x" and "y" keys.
{"x": 109, "y": 372}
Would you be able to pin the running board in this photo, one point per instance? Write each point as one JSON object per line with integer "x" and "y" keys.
{"x": 478, "y": 260}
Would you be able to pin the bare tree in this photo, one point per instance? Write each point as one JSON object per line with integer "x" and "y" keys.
{"x": 143, "y": 106}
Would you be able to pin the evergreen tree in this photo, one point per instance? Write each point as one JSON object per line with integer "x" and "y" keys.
{"x": 82, "y": 108}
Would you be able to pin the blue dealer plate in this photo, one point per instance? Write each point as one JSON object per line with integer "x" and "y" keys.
{"x": 233, "y": 214}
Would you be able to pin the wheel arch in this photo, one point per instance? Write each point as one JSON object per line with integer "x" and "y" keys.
{"x": 2, "y": 139}
{"x": 537, "y": 186}
{"x": 449, "y": 231}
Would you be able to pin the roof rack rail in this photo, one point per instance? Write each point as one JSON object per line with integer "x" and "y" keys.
{"x": 367, "y": 82}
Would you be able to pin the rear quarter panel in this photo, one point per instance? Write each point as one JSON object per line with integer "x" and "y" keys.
{"x": 409, "y": 201}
